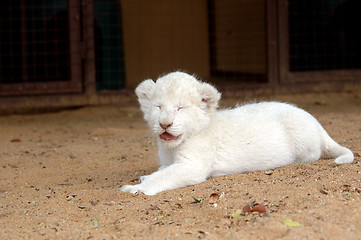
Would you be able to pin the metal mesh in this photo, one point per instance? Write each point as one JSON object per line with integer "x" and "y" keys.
{"x": 34, "y": 41}
{"x": 109, "y": 51}
{"x": 324, "y": 35}
{"x": 40, "y": 40}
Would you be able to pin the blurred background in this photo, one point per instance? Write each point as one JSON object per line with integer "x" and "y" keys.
{"x": 79, "y": 52}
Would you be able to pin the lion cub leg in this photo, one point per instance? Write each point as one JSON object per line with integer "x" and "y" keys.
{"x": 174, "y": 176}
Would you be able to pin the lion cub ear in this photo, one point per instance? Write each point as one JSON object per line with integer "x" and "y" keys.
{"x": 210, "y": 97}
{"x": 144, "y": 92}
{"x": 145, "y": 89}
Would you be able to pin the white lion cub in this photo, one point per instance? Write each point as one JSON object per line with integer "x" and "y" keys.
{"x": 197, "y": 142}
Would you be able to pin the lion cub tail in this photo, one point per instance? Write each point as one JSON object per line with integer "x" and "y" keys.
{"x": 333, "y": 150}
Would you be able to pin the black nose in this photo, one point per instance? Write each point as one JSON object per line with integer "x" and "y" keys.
{"x": 165, "y": 126}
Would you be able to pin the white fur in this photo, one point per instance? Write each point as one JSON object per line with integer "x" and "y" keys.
{"x": 208, "y": 143}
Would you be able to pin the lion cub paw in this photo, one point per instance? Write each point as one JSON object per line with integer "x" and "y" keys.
{"x": 136, "y": 189}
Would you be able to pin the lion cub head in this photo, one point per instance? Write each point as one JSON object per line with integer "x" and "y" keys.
{"x": 177, "y": 106}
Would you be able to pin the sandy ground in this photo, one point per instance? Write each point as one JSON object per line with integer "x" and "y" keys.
{"x": 60, "y": 175}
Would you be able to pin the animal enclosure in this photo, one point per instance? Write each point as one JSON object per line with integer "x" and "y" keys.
{"x": 61, "y": 171}
{"x": 91, "y": 47}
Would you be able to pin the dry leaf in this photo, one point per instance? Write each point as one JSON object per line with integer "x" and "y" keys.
{"x": 197, "y": 199}
{"x": 222, "y": 195}
{"x": 255, "y": 207}
{"x": 259, "y": 208}
{"x": 290, "y": 223}
{"x": 96, "y": 224}
{"x": 213, "y": 198}
{"x": 247, "y": 208}
{"x": 236, "y": 214}
{"x": 268, "y": 172}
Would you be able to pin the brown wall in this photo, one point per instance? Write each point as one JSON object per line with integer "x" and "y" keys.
{"x": 161, "y": 36}
{"x": 240, "y": 37}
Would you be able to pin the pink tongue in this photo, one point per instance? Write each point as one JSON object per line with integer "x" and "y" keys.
{"x": 167, "y": 136}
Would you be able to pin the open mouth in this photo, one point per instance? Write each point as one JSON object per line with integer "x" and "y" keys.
{"x": 168, "y": 137}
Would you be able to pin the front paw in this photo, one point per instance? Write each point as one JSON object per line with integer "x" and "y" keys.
{"x": 132, "y": 189}
{"x": 139, "y": 188}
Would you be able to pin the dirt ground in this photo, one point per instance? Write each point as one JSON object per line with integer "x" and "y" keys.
{"x": 60, "y": 175}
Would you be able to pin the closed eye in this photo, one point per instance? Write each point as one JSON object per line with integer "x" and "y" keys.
{"x": 182, "y": 107}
